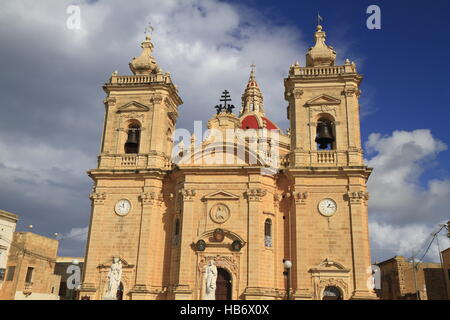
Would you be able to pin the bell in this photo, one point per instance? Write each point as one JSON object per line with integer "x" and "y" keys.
{"x": 132, "y": 143}
{"x": 324, "y": 134}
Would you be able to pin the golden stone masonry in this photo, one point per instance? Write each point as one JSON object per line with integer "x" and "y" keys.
{"x": 196, "y": 229}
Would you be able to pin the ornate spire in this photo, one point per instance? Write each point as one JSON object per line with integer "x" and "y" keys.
{"x": 145, "y": 63}
{"x": 320, "y": 55}
{"x": 252, "y": 99}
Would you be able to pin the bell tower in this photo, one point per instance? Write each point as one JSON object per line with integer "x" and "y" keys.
{"x": 129, "y": 199}
{"x": 141, "y": 112}
{"x": 329, "y": 211}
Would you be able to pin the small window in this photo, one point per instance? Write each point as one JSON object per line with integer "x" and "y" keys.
{"x": 29, "y": 276}
{"x": 448, "y": 270}
{"x": 10, "y": 273}
{"x": 268, "y": 233}
{"x": 2, "y": 274}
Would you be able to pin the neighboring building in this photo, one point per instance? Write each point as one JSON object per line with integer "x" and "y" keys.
{"x": 63, "y": 268}
{"x": 446, "y": 267}
{"x": 8, "y": 223}
{"x": 163, "y": 220}
{"x": 398, "y": 281}
{"x": 29, "y": 273}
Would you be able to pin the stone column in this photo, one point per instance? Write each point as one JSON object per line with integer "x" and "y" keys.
{"x": 301, "y": 265}
{"x": 255, "y": 242}
{"x": 360, "y": 244}
{"x": 353, "y": 134}
{"x": 90, "y": 272}
{"x": 148, "y": 235}
{"x": 186, "y": 266}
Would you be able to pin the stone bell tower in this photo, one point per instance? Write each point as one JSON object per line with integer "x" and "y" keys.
{"x": 329, "y": 215}
{"x": 128, "y": 198}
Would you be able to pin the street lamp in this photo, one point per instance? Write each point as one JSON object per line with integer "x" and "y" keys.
{"x": 287, "y": 273}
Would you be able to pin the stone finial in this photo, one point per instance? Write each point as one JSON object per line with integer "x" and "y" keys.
{"x": 320, "y": 55}
{"x": 145, "y": 63}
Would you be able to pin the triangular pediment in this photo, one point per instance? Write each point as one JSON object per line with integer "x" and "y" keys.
{"x": 329, "y": 265}
{"x": 323, "y": 99}
{"x": 133, "y": 106}
{"x": 221, "y": 195}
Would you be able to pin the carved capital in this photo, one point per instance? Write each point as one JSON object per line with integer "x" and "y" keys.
{"x": 297, "y": 93}
{"x": 349, "y": 92}
{"x": 156, "y": 99}
{"x": 98, "y": 197}
{"x": 300, "y": 197}
{"x": 187, "y": 194}
{"x": 276, "y": 200}
{"x": 256, "y": 194}
{"x": 151, "y": 198}
{"x": 110, "y": 101}
{"x": 357, "y": 197}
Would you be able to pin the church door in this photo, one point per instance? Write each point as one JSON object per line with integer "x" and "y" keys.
{"x": 332, "y": 293}
{"x": 223, "y": 285}
{"x": 119, "y": 294}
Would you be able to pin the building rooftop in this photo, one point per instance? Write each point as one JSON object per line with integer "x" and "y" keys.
{"x": 9, "y": 215}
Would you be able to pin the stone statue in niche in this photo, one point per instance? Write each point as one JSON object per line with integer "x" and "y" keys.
{"x": 114, "y": 277}
{"x": 210, "y": 281}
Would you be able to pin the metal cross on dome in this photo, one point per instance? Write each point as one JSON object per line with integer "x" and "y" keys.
{"x": 228, "y": 108}
{"x": 149, "y": 29}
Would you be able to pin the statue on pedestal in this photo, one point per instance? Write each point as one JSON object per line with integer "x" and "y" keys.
{"x": 114, "y": 277}
{"x": 210, "y": 281}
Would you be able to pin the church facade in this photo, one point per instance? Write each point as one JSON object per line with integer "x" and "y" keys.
{"x": 222, "y": 217}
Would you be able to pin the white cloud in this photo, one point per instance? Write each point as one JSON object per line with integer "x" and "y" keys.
{"x": 207, "y": 46}
{"x": 40, "y": 172}
{"x": 77, "y": 234}
{"x": 403, "y": 209}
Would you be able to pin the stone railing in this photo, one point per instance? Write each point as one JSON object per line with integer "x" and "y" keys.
{"x": 324, "y": 157}
{"x": 285, "y": 160}
{"x": 129, "y": 160}
{"x": 134, "y": 161}
{"x": 141, "y": 79}
{"x": 322, "y": 71}
{"x": 168, "y": 164}
{"x": 319, "y": 71}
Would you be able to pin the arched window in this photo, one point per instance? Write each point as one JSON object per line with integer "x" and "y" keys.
{"x": 133, "y": 139}
{"x": 268, "y": 233}
{"x": 325, "y": 134}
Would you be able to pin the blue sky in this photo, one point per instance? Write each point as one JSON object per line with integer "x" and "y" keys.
{"x": 405, "y": 64}
{"x": 52, "y": 108}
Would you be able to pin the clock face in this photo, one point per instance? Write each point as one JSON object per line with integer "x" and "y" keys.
{"x": 327, "y": 207}
{"x": 122, "y": 207}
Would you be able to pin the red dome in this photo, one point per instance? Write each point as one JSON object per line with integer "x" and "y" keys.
{"x": 250, "y": 122}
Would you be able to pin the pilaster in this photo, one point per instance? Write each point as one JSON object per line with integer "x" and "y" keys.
{"x": 357, "y": 201}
